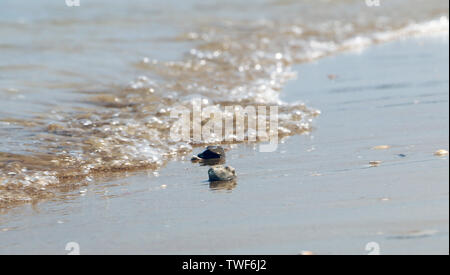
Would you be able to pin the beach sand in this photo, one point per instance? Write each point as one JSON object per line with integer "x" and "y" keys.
{"x": 316, "y": 193}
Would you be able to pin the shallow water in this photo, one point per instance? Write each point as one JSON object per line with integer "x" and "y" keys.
{"x": 316, "y": 193}
{"x": 87, "y": 91}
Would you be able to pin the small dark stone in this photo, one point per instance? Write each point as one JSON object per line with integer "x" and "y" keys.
{"x": 212, "y": 152}
{"x": 221, "y": 173}
{"x": 213, "y": 155}
{"x": 402, "y": 155}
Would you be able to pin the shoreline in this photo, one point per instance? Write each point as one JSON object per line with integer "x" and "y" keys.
{"x": 133, "y": 149}
{"x": 295, "y": 204}
{"x": 120, "y": 140}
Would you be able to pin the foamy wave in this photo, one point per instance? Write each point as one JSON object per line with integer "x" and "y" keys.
{"x": 316, "y": 49}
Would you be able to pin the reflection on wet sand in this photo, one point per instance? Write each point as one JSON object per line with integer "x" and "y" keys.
{"x": 223, "y": 185}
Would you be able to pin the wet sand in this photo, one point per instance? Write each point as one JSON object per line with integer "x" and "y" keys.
{"x": 316, "y": 193}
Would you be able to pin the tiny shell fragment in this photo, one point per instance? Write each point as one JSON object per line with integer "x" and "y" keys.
{"x": 375, "y": 163}
{"x": 441, "y": 153}
{"x": 332, "y": 76}
{"x": 381, "y": 147}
